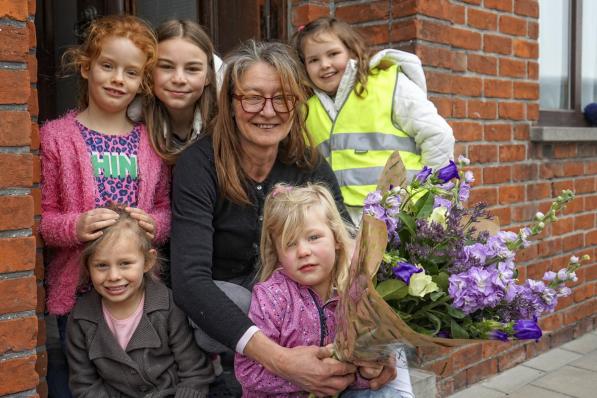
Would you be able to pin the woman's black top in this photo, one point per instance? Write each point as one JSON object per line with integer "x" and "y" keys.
{"x": 214, "y": 238}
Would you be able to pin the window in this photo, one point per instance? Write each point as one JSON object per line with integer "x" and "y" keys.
{"x": 567, "y": 60}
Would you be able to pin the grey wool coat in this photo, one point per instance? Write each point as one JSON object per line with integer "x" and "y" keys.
{"x": 161, "y": 359}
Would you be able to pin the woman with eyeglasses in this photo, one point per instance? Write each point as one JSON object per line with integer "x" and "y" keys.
{"x": 219, "y": 187}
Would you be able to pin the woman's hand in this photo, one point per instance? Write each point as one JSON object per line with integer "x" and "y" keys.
{"x": 388, "y": 373}
{"x": 370, "y": 372}
{"x": 146, "y": 222}
{"x": 90, "y": 224}
{"x": 312, "y": 368}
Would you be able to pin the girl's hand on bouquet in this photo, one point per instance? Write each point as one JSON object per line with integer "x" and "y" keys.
{"x": 90, "y": 224}
{"x": 146, "y": 222}
{"x": 387, "y": 374}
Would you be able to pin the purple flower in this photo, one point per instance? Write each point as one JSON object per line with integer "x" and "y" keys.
{"x": 448, "y": 172}
{"x": 404, "y": 271}
{"x": 549, "y": 276}
{"x": 498, "y": 335}
{"x": 464, "y": 191}
{"x": 527, "y": 329}
{"x": 439, "y": 201}
{"x": 422, "y": 175}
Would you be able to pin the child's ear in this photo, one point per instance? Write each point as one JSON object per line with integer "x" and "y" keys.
{"x": 151, "y": 259}
{"x": 85, "y": 71}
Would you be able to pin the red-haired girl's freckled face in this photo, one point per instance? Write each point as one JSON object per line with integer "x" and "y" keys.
{"x": 115, "y": 76}
{"x": 326, "y": 58}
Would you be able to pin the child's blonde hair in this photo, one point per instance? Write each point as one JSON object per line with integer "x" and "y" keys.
{"x": 156, "y": 114}
{"x": 287, "y": 212}
{"x": 348, "y": 36}
{"x": 124, "y": 223}
{"x": 126, "y": 26}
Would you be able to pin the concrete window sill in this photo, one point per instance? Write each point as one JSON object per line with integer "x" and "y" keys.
{"x": 563, "y": 134}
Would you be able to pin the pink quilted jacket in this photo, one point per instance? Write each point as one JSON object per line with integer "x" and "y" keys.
{"x": 68, "y": 189}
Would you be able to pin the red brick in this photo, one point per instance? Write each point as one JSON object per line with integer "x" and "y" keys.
{"x": 497, "y": 44}
{"x": 39, "y": 267}
{"x": 573, "y": 169}
{"x": 17, "y": 170}
{"x": 590, "y": 203}
{"x": 439, "y": 82}
{"x": 34, "y": 136}
{"x": 512, "y": 153}
{"x": 480, "y": 19}
{"x": 561, "y": 336}
{"x": 529, "y": 8}
{"x": 442, "y": 57}
{"x": 532, "y": 70}
{"x": 457, "y": 14}
{"x": 497, "y": 88}
{"x": 538, "y": 190}
{"x": 524, "y": 172}
{"x": 511, "y": 25}
{"x": 33, "y": 105}
{"x": 583, "y": 293}
{"x": 15, "y": 128}
{"x": 36, "y": 194}
{"x": 434, "y": 8}
{"x": 584, "y": 185}
{"x": 484, "y": 194}
{"x": 403, "y": 31}
{"x": 512, "y": 67}
{"x": 17, "y": 254}
{"x": 404, "y": 8}
{"x": 41, "y": 365}
{"x": 563, "y": 226}
{"x": 305, "y": 13}
{"x": 565, "y": 150}
{"x": 591, "y": 238}
{"x": 36, "y": 170}
{"x": 32, "y": 67}
{"x": 443, "y": 105}
{"x": 432, "y": 31}
{"x": 527, "y": 254}
{"x": 15, "y": 86}
{"x": 445, "y": 386}
{"x": 512, "y": 358}
{"x": 532, "y": 112}
{"x": 497, "y": 132}
{"x": 442, "y": 367}
{"x": 18, "y": 334}
{"x": 497, "y": 174}
{"x": 32, "y": 7}
{"x": 372, "y": 10}
{"x": 375, "y": 34}
{"x": 525, "y": 48}
{"x": 14, "y": 43}
{"x": 18, "y": 374}
{"x": 558, "y": 186}
{"x": 467, "y": 131}
{"x": 14, "y": 9}
{"x": 464, "y": 38}
{"x": 467, "y": 355}
{"x": 551, "y": 322}
{"x": 16, "y": 212}
{"x": 481, "y": 109}
{"x": 476, "y": 2}
{"x": 481, "y": 371}
{"x": 526, "y": 90}
{"x": 467, "y": 85}
{"x": 502, "y": 5}
{"x": 576, "y": 206}
{"x": 533, "y": 30}
{"x": 511, "y": 194}
{"x": 18, "y": 295}
{"x": 503, "y": 215}
{"x": 41, "y": 332}
{"x": 492, "y": 347}
{"x": 551, "y": 170}
{"x": 522, "y": 132}
{"x": 511, "y": 110}
{"x": 482, "y": 64}
{"x": 458, "y": 108}
{"x": 483, "y": 153}
{"x": 573, "y": 242}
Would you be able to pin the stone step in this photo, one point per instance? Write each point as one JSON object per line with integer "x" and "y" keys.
{"x": 423, "y": 383}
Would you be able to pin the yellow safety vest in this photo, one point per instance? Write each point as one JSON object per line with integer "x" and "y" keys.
{"x": 360, "y": 140}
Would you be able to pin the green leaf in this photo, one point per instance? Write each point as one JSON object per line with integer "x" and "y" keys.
{"x": 408, "y": 222}
{"x": 441, "y": 280}
{"x": 392, "y": 289}
{"x": 457, "y": 331}
{"x": 436, "y": 295}
{"x": 437, "y": 324}
{"x": 455, "y": 313}
{"x": 425, "y": 206}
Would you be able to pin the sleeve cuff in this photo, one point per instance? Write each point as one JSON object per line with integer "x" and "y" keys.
{"x": 242, "y": 342}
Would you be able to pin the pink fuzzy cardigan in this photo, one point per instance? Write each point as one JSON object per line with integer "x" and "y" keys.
{"x": 68, "y": 189}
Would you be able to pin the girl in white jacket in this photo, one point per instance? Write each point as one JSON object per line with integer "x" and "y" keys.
{"x": 365, "y": 108}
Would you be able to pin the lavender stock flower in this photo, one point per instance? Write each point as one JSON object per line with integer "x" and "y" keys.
{"x": 448, "y": 172}
{"x": 404, "y": 271}
{"x": 527, "y": 329}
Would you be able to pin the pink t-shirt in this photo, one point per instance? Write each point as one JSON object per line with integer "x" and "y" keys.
{"x": 123, "y": 329}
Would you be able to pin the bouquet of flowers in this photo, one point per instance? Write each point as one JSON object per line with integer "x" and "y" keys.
{"x": 429, "y": 270}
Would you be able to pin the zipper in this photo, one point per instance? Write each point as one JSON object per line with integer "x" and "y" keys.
{"x": 323, "y": 327}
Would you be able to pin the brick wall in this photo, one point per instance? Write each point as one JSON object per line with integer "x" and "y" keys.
{"x": 481, "y": 62}
{"x": 22, "y": 332}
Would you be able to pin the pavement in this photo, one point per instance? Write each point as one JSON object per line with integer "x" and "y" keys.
{"x": 569, "y": 370}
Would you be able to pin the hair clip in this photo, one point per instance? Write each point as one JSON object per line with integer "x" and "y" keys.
{"x": 300, "y": 28}
{"x": 281, "y": 189}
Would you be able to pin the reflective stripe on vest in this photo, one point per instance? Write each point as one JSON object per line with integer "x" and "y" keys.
{"x": 359, "y": 141}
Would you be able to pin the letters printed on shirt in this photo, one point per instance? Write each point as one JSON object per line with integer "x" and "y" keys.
{"x": 115, "y": 165}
